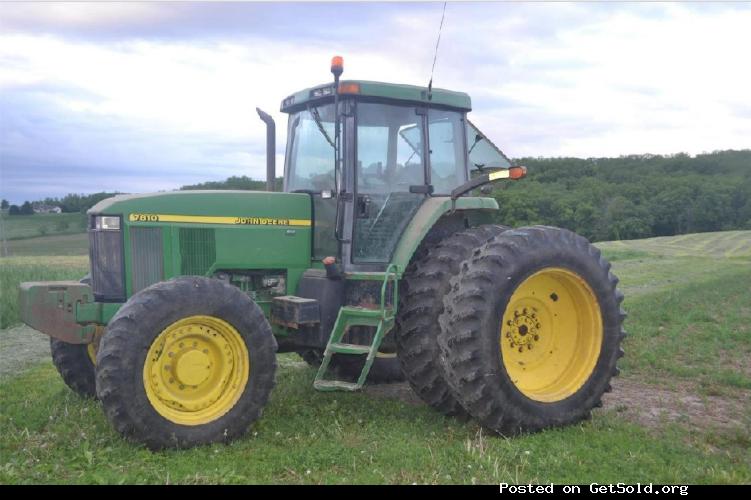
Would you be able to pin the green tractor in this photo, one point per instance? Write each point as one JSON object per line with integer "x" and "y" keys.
{"x": 372, "y": 264}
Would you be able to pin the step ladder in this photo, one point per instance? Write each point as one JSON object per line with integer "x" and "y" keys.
{"x": 383, "y": 321}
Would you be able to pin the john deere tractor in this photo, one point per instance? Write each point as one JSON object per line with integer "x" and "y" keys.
{"x": 376, "y": 263}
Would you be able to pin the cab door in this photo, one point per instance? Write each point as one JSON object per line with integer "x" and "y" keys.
{"x": 390, "y": 163}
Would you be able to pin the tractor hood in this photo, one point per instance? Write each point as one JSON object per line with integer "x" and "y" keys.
{"x": 138, "y": 240}
{"x": 210, "y": 207}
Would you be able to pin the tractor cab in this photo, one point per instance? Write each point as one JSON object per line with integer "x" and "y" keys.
{"x": 370, "y": 154}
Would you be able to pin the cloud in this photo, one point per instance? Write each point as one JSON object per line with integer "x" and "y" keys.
{"x": 145, "y": 96}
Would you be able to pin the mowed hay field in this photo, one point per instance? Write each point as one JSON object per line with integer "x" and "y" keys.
{"x": 31, "y": 226}
{"x": 680, "y": 412}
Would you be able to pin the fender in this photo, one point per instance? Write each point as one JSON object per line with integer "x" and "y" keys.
{"x": 430, "y": 212}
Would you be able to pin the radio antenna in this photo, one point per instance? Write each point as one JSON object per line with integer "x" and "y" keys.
{"x": 435, "y": 54}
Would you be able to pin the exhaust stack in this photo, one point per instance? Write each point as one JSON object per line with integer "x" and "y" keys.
{"x": 270, "y": 148}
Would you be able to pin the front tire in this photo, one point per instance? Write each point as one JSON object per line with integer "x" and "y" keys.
{"x": 531, "y": 330}
{"x": 186, "y": 362}
{"x": 76, "y": 364}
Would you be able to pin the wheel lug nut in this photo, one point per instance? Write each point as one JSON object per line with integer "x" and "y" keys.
{"x": 537, "y": 337}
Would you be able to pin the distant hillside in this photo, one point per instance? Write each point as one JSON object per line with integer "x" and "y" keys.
{"x": 632, "y": 196}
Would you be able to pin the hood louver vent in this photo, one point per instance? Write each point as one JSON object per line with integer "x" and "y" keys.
{"x": 197, "y": 251}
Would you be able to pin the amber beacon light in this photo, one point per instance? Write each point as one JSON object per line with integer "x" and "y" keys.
{"x": 337, "y": 65}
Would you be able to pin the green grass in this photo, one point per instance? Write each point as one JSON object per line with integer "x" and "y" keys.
{"x": 689, "y": 317}
{"x": 50, "y": 435}
{"x": 699, "y": 331}
{"x": 14, "y": 270}
{"x": 64, "y": 244}
{"x": 31, "y": 226}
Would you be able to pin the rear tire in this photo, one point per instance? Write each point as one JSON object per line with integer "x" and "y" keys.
{"x": 417, "y": 319}
{"x": 186, "y": 362}
{"x": 531, "y": 330}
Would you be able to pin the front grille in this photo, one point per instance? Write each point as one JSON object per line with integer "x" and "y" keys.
{"x": 147, "y": 257}
{"x": 106, "y": 255}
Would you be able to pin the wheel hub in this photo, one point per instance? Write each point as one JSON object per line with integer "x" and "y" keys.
{"x": 193, "y": 367}
{"x": 196, "y": 370}
{"x": 523, "y": 331}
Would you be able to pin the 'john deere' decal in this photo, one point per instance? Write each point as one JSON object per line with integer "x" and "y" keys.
{"x": 204, "y": 219}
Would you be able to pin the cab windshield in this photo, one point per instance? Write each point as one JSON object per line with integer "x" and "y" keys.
{"x": 310, "y": 153}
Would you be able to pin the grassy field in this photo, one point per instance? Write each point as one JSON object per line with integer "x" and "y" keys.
{"x": 680, "y": 411}
{"x": 30, "y": 226}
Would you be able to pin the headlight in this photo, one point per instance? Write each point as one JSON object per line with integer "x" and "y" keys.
{"x": 107, "y": 223}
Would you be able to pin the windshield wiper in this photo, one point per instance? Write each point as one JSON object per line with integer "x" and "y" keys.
{"x": 317, "y": 118}
{"x": 478, "y": 138}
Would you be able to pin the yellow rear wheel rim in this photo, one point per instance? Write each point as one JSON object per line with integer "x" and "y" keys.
{"x": 551, "y": 335}
{"x": 196, "y": 370}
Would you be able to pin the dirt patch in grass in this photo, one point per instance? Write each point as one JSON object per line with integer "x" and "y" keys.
{"x": 399, "y": 392}
{"x": 648, "y": 405}
{"x": 652, "y": 405}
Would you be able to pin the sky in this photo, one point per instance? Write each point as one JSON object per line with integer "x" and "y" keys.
{"x": 149, "y": 96}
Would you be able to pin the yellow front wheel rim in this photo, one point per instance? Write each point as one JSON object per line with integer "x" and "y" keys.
{"x": 93, "y": 346}
{"x": 91, "y": 351}
{"x": 551, "y": 335}
{"x": 196, "y": 370}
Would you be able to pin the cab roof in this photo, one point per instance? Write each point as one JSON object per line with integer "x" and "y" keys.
{"x": 391, "y": 91}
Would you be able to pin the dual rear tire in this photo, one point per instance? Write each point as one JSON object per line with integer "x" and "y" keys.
{"x": 528, "y": 335}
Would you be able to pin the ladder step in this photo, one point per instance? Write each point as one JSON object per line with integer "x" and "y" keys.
{"x": 342, "y": 348}
{"x": 336, "y": 385}
{"x": 364, "y": 312}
